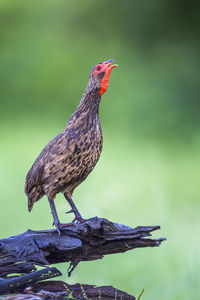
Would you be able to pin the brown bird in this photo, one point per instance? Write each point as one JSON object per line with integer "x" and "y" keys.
{"x": 68, "y": 159}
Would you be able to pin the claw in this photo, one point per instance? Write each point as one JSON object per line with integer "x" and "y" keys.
{"x": 70, "y": 211}
{"x": 58, "y": 228}
{"x": 78, "y": 220}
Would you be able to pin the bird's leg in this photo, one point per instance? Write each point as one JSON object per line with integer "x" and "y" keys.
{"x": 74, "y": 209}
{"x": 55, "y": 215}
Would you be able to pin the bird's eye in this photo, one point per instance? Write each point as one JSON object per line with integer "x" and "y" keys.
{"x": 98, "y": 68}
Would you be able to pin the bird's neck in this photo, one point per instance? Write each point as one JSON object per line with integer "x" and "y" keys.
{"x": 90, "y": 102}
{"x": 87, "y": 112}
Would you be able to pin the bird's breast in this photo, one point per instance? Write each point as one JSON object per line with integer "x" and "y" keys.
{"x": 88, "y": 147}
{"x": 81, "y": 149}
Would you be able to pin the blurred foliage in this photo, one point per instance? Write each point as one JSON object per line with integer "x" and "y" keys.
{"x": 48, "y": 48}
{"x": 149, "y": 170}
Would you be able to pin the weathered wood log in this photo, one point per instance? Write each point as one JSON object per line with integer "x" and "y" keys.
{"x": 18, "y": 283}
{"x": 86, "y": 241}
{"x": 60, "y": 290}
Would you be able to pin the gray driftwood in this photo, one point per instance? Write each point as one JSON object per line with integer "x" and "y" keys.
{"x": 46, "y": 290}
{"x": 17, "y": 283}
{"x": 79, "y": 242}
{"x": 86, "y": 241}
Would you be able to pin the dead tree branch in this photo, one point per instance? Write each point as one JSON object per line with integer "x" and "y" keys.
{"x": 86, "y": 241}
{"x": 47, "y": 290}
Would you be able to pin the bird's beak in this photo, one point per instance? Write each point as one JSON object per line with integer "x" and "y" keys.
{"x": 109, "y": 67}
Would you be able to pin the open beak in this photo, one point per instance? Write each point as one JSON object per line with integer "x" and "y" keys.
{"x": 109, "y": 67}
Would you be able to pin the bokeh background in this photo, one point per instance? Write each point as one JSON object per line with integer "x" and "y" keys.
{"x": 148, "y": 173}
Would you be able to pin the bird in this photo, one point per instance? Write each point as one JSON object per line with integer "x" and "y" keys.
{"x": 67, "y": 160}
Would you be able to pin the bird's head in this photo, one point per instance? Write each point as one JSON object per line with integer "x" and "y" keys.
{"x": 100, "y": 74}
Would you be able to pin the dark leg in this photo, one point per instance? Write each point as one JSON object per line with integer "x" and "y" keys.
{"x": 55, "y": 215}
{"x": 74, "y": 209}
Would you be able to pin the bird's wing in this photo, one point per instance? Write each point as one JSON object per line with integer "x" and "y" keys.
{"x": 56, "y": 155}
{"x": 52, "y": 158}
{"x": 33, "y": 178}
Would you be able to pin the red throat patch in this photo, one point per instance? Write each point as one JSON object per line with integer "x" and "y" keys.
{"x": 105, "y": 79}
{"x": 105, "y": 67}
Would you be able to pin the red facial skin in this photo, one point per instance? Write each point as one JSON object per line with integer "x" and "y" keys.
{"x": 107, "y": 68}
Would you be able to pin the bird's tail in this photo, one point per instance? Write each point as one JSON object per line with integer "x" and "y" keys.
{"x": 30, "y": 204}
{"x": 33, "y": 187}
{"x": 33, "y": 196}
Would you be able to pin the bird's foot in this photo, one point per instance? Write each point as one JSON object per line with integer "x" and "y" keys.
{"x": 78, "y": 218}
{"x": 59, "y": 226}
{"x": 73, "y": 223}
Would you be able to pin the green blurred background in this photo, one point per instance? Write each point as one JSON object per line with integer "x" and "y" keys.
{"x": 148, "y": 173}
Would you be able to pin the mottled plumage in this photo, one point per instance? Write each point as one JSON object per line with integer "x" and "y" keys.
{"x": 69, "y": 158}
